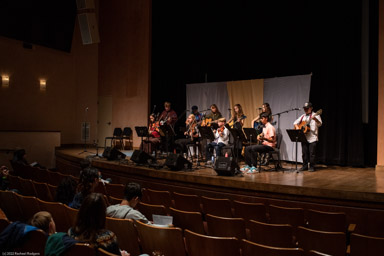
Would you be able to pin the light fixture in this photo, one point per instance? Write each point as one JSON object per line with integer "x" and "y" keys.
{"x": 43, "y": 85}
{"x": 5, "y": 81}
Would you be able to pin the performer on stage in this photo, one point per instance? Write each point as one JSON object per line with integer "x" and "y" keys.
{"x": 153, "y": 141}
{"x": 221, "y": 140}
{"x": 213, "y": 116}
{"x": 192, "y": 134}
{"x": 237, "y": 119}
{"x": 168, "y": 116}
{"x": 196, "y": 113}
{"x": 265, "y": 108}
{"x": 313, "y": 122}
{"x": 268, "y": 140}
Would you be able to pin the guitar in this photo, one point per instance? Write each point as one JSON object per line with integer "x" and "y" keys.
{"x": 232, "y": 123}
{"x": 207, "y": 122}
{"x": 304, "y": 125}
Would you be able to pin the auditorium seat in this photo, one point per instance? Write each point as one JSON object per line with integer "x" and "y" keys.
{"x": 316, "y": 253}
{"x": 217, "y": 207}
{"x": 285, "y": 215}
{"x": 148, "y": 210}
{"x": 114, "y": 200}
{"x": 333, "y": 243}
{"x": 326, "y": 221}
{"x": 225, "y": 227}
{"x": 80, "y": 249}
{"x": 42, "y": 191}
{"x": 54, "y": 177}
{"x": 126, "y": 234}
{"x": 277, "y": 235}
{"x": 189, "y": 203}
{"x": 53, "y": 190}
{"x": 115, "y": 190}
{"x": 14, "y": 182}
{"x": 252, "y": 249}
{"x": 29, "y": 206}
{"x": 40, "y": 175}
{"x": 188, "y": 220}
{"x": 34, "y": 243}
{"x": 58, "y": 213}
{"x": 102, "y": 252}
{"x": 250, "y": 211}
{"x": 145, "y": 197}
{"x": 361, "y": 245}
{"x": 3, "y": 224}
{"x": 27, "y": 188}
{"x": 198, "y": 245}
{"x": 157, "y": 197}
{"x": 10, "y": 205}
{"x": 163, "y": 241}
{"x": 71, "y": 215}
{"x": 101, "y": 188}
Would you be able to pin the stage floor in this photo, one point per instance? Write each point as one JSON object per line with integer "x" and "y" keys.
{"x": 364, "y": 185}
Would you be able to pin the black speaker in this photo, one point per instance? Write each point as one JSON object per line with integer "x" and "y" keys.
{"x": 226, "y": 166}
{"x": 140, "y": 157}
{"x": 177, "y": 162}
{"x": 113, "y": 154}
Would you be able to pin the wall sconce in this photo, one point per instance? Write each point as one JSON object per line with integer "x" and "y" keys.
{"x": 5, "y": 81}
{"x": 43, "y": 85}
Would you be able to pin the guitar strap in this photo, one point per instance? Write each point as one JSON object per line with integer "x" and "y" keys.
{"x": 302, "y": 117}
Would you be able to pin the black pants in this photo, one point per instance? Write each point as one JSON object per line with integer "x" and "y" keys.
{"x": 309, "y": 153}
{"x": 250, "y": 153}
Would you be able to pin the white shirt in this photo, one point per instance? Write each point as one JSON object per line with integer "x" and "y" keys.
{"x": 224, "y": 139}
{"x": 313, "y": 134}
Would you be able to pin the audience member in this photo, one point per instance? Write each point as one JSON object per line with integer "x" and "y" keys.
{"x": 19, "y": 156}
{"x": 89, "y": 179}
{"x": 66, "y": 190}
{"x": 4, "y": 182}
{"x": 125, "y": 210}
{"x": 90, "y": 225}
{"x": 44, "y": 221}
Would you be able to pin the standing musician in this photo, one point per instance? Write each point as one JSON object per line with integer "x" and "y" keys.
{"x": 268, "y": 142}
{"x": 168, "y": 116}
{"x": 196, "y": 113}
{"x": 192, "y": 134}
{"x": 309, "y": 148}
{"x": 221, "y": 140}
{"x": 265, "y": 108}
{"x": 237, "y": 118}
{"x": 150, "y": 144}
{"x": 213, "y": 116}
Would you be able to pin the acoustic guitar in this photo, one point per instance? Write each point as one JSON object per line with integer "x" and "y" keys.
{"x": 304, "y": 125}
{"x": 232, "y": 123}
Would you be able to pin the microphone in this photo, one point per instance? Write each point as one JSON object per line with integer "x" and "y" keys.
{"x": 259, "y": 108}
{"x": 229, "y": 109}
{"x": 86, "y": 109}
{"x": 296, "y": 109}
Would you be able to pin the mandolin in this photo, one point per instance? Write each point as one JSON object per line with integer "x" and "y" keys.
{"x": 304, "y": 125}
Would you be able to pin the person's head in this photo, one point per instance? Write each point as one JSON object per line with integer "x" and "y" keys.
{"x": 132, "y": 193}
{"x": 214, "y": 108}
{"x": 152, "y": 118}
{"x": 238, "y": 110}
{"x": 195, "y": 109}
{"x": 221, "y": 121}
{"x": 19, "y": 154}
{"x": 308, "y": 107}
{"x": 90, "y": 218}
{"x": 4, "y": 171}
{"x": 89, "y": 179}
{"x": 66, "y": 190}
{"x": 266, "y": 108}
{"x": 44, "y": 221}
{"x": 85, "y": 163}
{"x": 191, "y": 118}
{"x": 264, "y": 118}
{"x": 167, "y": 105}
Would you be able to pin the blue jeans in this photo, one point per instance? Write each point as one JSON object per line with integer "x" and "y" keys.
{"x": 216, "y": 146}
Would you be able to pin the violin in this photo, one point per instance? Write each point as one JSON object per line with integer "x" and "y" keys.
{"x": 221, "y": 130}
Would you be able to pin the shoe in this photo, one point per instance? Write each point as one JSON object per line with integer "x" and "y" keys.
{"x": 245, "y": 168}
{"x": 209, "y": 162}
{"x": 252, "y": 170}
{"x": 311, "y": 169}
{"x": 303, "y": 168}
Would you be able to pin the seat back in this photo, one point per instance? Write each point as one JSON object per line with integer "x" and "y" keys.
{"x": 366, "y": 245}
{"x": 148, "y": 210}
{"x": 127, "y": 132}
{"x": 80, "y": 249}
{"x": 277, "y": 235}
{"x": 157, "y": 197}
{"x": 58, "y": 213}
{"x": 333, "y": 243}
{"x": 126, "y": 233}
{"x": 71, "y": 215}
{"x": 114, "y": 200}
{"x": 101, "y": 188}
{"x": 316, "y": 253}
{"x": 10, "y": 205}
{"x": 157, "y": 240}
{"x": 217, "y": 207}
{"x": 29, "y": 206}
{"x": 327, "y": 221}
{"x": 285, "y": 215}
{"x": 42, "y": 191}
{"x": 117, "y": 132}
{"x": 27, "y": 187}
{"x": 102, "y": 252}
{"x": 198, "y": 245}
{"x": 190, "y": 203}
{"x": 250, "y": 249}
{"x": 250, "y": 211}
{"x": 188, "y": 220}
{"x": 115, "y": 190}
{"x": 40, "y": 175}
{"x": 53, "y": 190}
{"x": 225, "y": 227}
{"x": 14, "y": 182}
{"x": 34, "y": 242}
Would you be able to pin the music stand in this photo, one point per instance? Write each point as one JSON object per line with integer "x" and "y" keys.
{"x": 296, "y": 136}
{"x": 206, "y": 133}
{"x": 142, "y": 132}
{"x": 165, "y": 131}
{"x": 251, "y": 134}
{"x": 238, "y": 135}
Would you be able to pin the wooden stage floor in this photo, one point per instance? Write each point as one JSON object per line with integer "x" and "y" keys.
{"x": 352, "y": 187}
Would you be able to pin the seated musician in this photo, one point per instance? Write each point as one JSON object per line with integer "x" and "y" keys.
{"x": 150, "y": 144}
{"x": 221, "y": 140}
{"x": 192, "y": 135}
{"x": 198, "y": 115}
{"x": 268, "y": 140}
{"x": 212, "y": 117}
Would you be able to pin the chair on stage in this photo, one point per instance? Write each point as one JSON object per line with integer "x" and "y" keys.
{"x": 117, "y": 135}
{"x": 148, "y": 210}
{"x": 362, "y": 245}
{"x": 276, "y": 151}
{"x": 333, "y": 243}
{"x": 189, "y": 203}
{"x": 225, "y": 227}
{"x": 250, "y": 211}
{"x": 250, "y": 249}
{"x": 126, "y": 233}
{"x": 188, "y": 220}
{"x": 198, "y": 244}
{"x": 127, "y": 137}
{"x": 277, "y": 235}
{"x": 163, "y": 241}
{"x": 217, "y": 207}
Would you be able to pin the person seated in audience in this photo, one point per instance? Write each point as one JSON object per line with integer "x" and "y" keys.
{"x": 89, "y": 179}
{"x": 43, "y": 220}
{"x": 125, "y": 210}
{"x": 4, "y": 182}
{"x": 13, "y": 236}
{"x": 19, "y": 157}
{"x": 66, "y": 190}
{"x": 90, "y": 225}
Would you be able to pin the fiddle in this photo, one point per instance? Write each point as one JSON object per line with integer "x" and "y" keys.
{"x": 220, "y": 130}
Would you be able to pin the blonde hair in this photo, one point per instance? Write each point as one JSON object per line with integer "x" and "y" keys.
{"x": 41, "y": 220}
{"x": 167, "y": 104}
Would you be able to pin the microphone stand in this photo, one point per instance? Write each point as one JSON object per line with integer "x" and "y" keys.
{"x": 279, "y": 114}
{"x": 85, "y": 132}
